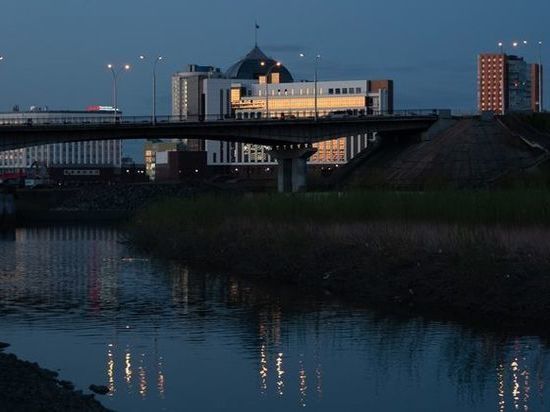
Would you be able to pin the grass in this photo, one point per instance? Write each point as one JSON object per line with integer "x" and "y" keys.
{"x": 512, "y": 207}
{"x": 485, "y": 252}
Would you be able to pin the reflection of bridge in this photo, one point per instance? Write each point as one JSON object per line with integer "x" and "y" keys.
{"x": 291, "y": 138}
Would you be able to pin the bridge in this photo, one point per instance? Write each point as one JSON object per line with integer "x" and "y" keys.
{"x": 291, "y": 139}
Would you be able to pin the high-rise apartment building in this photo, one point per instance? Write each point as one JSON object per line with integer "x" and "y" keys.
{"x": 508, "y": 83}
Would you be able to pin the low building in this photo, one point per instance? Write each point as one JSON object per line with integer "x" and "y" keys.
{"x": 152, "y": 148}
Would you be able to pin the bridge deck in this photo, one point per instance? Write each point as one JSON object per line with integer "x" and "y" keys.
{"x": 270, "y": 132}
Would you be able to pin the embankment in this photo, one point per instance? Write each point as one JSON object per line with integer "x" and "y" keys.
{"x": 25, "y": 387}
{"x": 481, "y": 255}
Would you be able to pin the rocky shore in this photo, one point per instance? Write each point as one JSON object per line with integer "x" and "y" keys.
{"x": 26, "y": 387}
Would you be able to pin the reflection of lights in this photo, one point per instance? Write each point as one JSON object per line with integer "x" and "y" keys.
{"x": 500, "y": 380}
{"x": 303, "y": 385}
{"x": 160, "y": 379}
{"x": 128, "y": 367}
{"x": 142, "y": 378}
{"x": 319, "y": 377}
{"x": 110, "y": 371}
{"x": 280, "y": 373}
{"x": 263, "y": 368}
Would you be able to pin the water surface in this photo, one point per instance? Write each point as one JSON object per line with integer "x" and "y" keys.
{"x": 164, "y": 338}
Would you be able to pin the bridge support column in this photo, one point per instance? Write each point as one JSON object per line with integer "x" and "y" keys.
{"x": 292, "y": 167}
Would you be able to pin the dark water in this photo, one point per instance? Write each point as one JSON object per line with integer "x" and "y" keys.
{"x": 164, "y": 338}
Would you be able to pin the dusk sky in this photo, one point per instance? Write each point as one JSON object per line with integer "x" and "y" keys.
{"x": 56, "y": 51}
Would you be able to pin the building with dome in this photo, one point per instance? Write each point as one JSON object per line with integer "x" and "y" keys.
{"x": 255, "y": 65}
{"x": 257, "y": 86}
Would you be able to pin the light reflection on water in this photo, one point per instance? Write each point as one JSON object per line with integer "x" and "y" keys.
{"x": 164, "y": 338}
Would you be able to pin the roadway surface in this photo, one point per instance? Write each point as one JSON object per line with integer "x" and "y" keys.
{"x": 276, "y": 132}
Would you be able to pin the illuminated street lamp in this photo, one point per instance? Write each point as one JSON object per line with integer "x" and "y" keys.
{"x": 157, "y": 60}
{"x": 115, "y": 74}
{"x": 270, "y": 69}
{"x": 501, "y": 47}
{"x": 315, "y": 79}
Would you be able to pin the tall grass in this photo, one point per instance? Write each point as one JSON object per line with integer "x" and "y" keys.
{"x": 512, "y": 207}
{"x": 465, "y": 252}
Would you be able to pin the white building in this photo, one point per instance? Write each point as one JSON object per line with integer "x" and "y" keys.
{"x": 256, "y": 87}
{"x": 97, "y": 154}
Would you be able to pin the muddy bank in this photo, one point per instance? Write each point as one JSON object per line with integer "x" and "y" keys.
{"x": 26, "y": 387}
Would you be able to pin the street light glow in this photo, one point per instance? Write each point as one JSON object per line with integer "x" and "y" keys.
{"x": 515, "y": 44}
{"x": 109, "y": 66}
{"x": 126, "y": 67}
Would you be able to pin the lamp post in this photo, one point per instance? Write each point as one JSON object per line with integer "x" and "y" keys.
{"x": 501, "y": 47}
{"x": 157, "y": 60}
{"x": 276, "y": 64}
{"x": 541, "y": 88}
{"x": 315, "y": 80}
{"x": 115, "y": 74}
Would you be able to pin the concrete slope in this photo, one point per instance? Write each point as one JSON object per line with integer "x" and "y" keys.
{"x": 471, "y": 154}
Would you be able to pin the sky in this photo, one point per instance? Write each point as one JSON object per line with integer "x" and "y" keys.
{"x": 56, "y": 51}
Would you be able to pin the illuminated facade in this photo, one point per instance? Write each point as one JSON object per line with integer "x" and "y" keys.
{"x": 257, "y": 87}
{"x": 98, "y": 154}
{"x": 508, "y": 83}
{"x": 151, "y": 150}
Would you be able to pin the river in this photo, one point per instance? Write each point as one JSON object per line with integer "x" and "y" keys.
{"x": 164, "y": 338}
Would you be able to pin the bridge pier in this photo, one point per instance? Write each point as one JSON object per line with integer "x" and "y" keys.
{"x": 292, "y": 166}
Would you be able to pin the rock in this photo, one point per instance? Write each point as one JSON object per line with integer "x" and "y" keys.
{"x": 99, "y": 389}
{"x": 4, "y": 345}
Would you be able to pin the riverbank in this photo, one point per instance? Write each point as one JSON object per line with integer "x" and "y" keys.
{"x": 26, "y": 387}
{"x": 479, "y": 255}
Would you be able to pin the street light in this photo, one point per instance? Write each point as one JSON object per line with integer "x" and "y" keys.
{"x": 157, "y": 60}
{"x": 276, "y": 64}
{"x": 115, "y": 74}
{"x": 501, "y": 47}
{"x": 317, "y": 59}
{"x": 541, "y": 88}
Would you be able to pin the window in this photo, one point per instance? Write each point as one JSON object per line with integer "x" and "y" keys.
{"x": 358, "y": 90}
{"x": 344, "y": 90}
{"x": 337, "y": 91}
{"x": 330, "y": 91}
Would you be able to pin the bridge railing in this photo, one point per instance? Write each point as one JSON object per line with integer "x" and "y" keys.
{"x": 27, "y": 120}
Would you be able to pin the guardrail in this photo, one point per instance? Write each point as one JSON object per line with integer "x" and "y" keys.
{"x": 28, "y": 120}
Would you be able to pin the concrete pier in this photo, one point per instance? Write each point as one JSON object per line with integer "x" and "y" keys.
{"x": 292, "y": 166}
